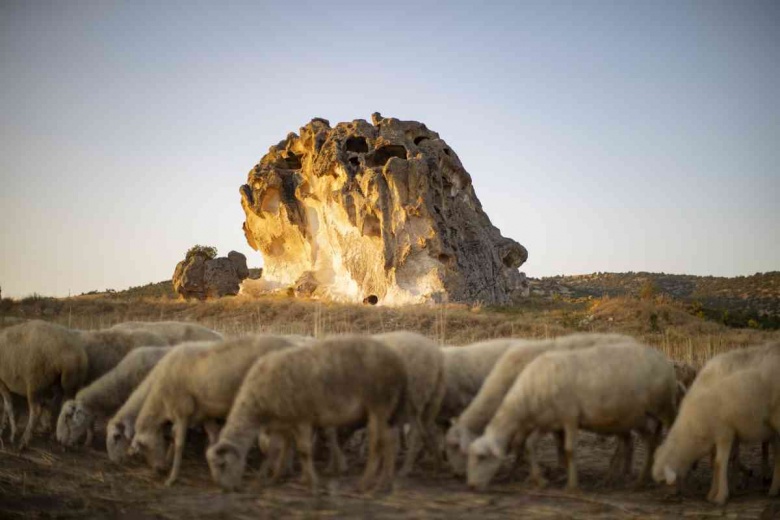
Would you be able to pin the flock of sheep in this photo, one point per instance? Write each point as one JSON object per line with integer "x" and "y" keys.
{"x": 155, "y": 381}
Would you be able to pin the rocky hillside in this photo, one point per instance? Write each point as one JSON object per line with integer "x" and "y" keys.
{"x": 738, "y": 299}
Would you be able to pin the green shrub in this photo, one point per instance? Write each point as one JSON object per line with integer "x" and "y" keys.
{"x": 208, "y": 252}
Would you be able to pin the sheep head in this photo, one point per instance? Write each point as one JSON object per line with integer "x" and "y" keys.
{"x": 485, "y": 457}
{"x": 226, "y": 463}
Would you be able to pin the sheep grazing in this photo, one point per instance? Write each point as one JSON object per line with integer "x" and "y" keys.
{"x": 121, "y": 428}
{"x": 610, "y": 389}
{"x": 174, "y": 332}
{"x": 427, "y": 385}
{"x": 345, "y": 381}
{"x": 38, "y": 358}
{"x": 465, "y": 370}
{"x": 105, "y": 395}
{"x": 192, "y": 386}
{"x": 727, "y": 363}
{"x": 106, "y": 348}
{"x": 472, "y": 422}
{"x": 734, "y": 398}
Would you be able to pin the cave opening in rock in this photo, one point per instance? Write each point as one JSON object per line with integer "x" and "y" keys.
{"x": 356, "y": 144}
{"x": 293, "y": 161}
{"x": 420, "y": 139}
{"x": 447, "y": 151}
{"x": 371, "y": 226}
{"x": 371, "y": 299}
{"x": 384, "y": 153}
{"x": 270, "y": 201}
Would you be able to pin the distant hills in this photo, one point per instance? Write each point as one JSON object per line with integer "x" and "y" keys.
{"x": 734, "y": 301}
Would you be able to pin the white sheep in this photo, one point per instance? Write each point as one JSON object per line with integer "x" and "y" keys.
{"x": 105, "y": 395}
{"x": 38, "y": 358}
{"x": 192, "y": 387}
{"x": 472, "y": 422}
{"x": 611, "y": 389}
{"x": 466, "y": 368}
{"x": 107, "y": 347}
{"x": 121, "y": 427}
{"x": 735, "y": 397}
{"x": 174, "y": 331}
{"x": 345, "y": 381}
{"x": 427, "y": 385}
{"x": 726, "y": 363}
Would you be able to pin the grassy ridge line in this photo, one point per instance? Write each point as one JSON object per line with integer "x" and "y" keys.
{"x": 660, "y": 322}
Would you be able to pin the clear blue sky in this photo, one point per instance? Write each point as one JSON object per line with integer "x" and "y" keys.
{"x": 603, "y": 136}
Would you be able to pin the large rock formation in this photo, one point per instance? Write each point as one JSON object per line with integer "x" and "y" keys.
{"x": 383, "y": 209}
{"x": 200, "y": 277}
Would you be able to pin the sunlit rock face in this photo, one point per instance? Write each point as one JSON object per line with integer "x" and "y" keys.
{"x": 382, "y": 209}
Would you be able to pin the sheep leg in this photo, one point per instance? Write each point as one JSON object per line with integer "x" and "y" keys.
{"x": 519, "y": 443}
{"x": 90, "y": 432}
{"x": 560, "y": 441}
{"x": 212, "y": 431}
{"x": 275, "y": 454}
{"x": 714, "y": 482}
{"x": 536, "y": 476}
{"x": 774, "y": 489}
{"x": 720, "y": 471}
{"x": 623, "y": 447}
{"x": 8, "y": 412}
{"x": 34, "y": 413}
{"x": 765, "y": 470}
{"x": 282, "y": 458}
{"x": 651, "y": 440}
{"x": 613, "y": 461}
{"x": 303, "y": 445}
{"x": 412, "y": 448}
{"x": 737, "y": 468}
{"x": 372, "y": 464}
{"x": 431, "y": 441}
{"x": 389, "y": 445}
{"x": 179, "y": 438}
{"x": 55, "y": 406}
{"x": 570, "y": 440}
{"x": 337, "y": 463}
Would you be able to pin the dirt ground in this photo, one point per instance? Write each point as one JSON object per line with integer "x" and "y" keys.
{"x": 48, "y": 481}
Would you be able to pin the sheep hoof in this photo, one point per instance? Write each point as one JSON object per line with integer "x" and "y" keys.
{"x": 170, "y": 482}
{"x": 537, "y": 481}
{"x": 363, "y": 487}
{"x": 718, "y": 499}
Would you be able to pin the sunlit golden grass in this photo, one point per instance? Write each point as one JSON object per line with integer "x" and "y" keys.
{"x": 659, "y": 322}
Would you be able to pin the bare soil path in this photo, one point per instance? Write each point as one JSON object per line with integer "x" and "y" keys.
{"x": 47, "y": 481}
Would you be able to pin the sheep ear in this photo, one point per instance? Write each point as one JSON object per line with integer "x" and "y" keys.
{"x": 670, "y": 475}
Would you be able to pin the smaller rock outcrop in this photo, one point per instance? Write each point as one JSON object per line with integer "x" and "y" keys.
{"x": 198, "y": 276}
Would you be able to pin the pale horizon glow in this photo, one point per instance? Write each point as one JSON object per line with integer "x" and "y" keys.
{"x": 603, "y": 136}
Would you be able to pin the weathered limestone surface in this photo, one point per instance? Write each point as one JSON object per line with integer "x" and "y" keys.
{"x": 383, "y": 209}
{"x": 199, "y": 277}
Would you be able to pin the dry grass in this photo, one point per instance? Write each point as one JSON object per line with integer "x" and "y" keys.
{"x": 660, "y": 322}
